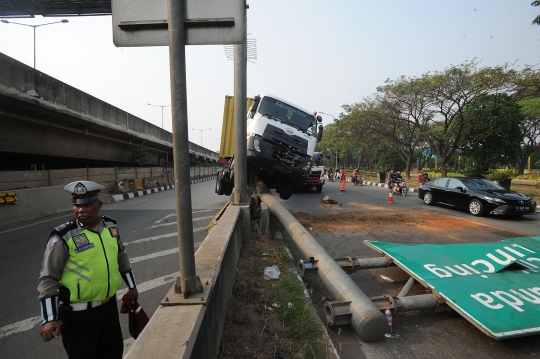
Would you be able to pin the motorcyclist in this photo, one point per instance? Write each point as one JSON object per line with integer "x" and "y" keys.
{"x": 397, "y": 180}
{"x": 355, "y": 175}
{"x": 391, "y": 177}
{"x": 425, "y": 178}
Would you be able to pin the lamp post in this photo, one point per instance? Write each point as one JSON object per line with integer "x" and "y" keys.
{"x": 161, "y": 111}
{"x": 34, "y": 27}
{"x": 324, "y": 113}
{"x": 196, "y": 129}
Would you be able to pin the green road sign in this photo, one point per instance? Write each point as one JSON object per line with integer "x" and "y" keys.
{"x": 495, "y": 285}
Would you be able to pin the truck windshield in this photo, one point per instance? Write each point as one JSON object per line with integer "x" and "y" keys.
{"x": 283, "y": 112}
{"x": 317, "y": 159}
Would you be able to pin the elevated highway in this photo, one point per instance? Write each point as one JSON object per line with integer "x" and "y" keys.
{"x": 40, "y": 115}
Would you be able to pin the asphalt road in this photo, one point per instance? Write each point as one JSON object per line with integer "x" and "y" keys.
{"x": 147, "y": 227}
{"x": 441, "y": 333}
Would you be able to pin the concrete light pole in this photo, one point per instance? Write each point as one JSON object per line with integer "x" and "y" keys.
{"x": 161, "y": 111}
{"x": 34, "y": 26}
{"x": 196, "y": 129}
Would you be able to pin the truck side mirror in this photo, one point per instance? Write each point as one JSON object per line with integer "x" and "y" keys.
{"x": 254, "y": 105}
{"x": 319, "y": 118}
{"x": 319, "y": 133}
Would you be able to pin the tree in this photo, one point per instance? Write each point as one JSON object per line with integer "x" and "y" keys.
{"x": 537, "y": 20}
{"x": 435, "y": 101}
{"x": 139, "y": 155}
{"x": 332, "y": 142}
{"x": 530, "y": 130}
{"x": 361, "y": 140}
{"x": 492, "y": 136}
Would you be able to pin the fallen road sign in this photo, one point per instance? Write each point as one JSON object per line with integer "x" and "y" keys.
{"x": 494, "y": 285}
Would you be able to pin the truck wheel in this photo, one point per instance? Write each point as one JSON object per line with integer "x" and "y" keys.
{"x": 219, "y": 184}
{"x": 286, "y": 191}
{"x": 228, "y": 188}
{"x": 319, "y": 188}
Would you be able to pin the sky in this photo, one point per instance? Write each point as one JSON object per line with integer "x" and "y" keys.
{"x": 320, "y": 55}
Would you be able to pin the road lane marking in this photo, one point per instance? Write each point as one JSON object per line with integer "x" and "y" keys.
{"x": 171, "y": 223}
{"x": 19, "y": 327}
{"x": 174, "y": 214}
{"x": 34, "y": 223}
{"x": 30, "y": 323}
{"x": 158, "y": 254}
{"x": 154, "y": 238}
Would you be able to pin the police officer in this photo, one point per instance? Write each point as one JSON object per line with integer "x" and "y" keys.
{"x": 82, "y": 268}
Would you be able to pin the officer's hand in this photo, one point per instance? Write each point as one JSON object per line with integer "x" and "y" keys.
{"x": 134, "y": 295}
{"x": 50, "y": 330}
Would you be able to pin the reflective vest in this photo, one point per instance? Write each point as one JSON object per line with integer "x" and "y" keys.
{"x": 91, "y": 271}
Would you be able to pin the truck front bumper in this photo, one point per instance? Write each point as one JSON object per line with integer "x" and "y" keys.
{"x": 277, "y": 161}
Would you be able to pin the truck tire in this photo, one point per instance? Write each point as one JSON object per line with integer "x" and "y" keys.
{"x": 228, "y": 188}
{"x": 220, "y": 184}
{"x": 286, "y": 192}
{"x": 319, "y": 188}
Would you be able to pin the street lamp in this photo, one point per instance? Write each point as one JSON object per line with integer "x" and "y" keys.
{"x": 161, "y": 111}
{"x": 196, "y": 129}
{"x": 34, "y": 26}
{"x": 328, "y": 114}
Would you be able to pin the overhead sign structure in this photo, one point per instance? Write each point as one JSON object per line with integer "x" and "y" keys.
{"x": 495, "y": 285}
{"x": 208, "y": 22}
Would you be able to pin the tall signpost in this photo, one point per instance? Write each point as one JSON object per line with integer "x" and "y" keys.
{"x": 177, "y": 23}
{"x": 240, "y": 128}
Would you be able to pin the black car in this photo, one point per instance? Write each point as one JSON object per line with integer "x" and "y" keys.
{"x": 477, "y": 195}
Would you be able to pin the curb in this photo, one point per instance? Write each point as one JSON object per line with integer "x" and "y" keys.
{"x": 123, "y": 196}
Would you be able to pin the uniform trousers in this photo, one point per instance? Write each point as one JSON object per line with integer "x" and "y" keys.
{"x": 94, "y": 333}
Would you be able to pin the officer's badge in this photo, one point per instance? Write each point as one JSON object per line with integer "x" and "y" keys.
{"x": 82, "y": 243}
{"x": 114, "y": 232}
{"x": 79, "y": 189}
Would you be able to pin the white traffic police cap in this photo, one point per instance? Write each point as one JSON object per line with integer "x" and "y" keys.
{"x": 83, "y": 191}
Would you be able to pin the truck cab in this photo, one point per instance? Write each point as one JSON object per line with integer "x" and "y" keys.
{"x": 281, "y": 138}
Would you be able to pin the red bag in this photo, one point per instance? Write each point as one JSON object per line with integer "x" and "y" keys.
{"x": 137, "y": 317}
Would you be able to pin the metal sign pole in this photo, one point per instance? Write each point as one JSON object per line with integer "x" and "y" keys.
{"x": 240, "y": 127}
{"x": 189, "y": 282}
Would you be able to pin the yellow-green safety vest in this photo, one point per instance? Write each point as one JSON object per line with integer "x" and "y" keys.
{"x": 91, "y": 272}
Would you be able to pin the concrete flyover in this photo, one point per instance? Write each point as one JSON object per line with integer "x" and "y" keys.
{"x": 43, "y": 116}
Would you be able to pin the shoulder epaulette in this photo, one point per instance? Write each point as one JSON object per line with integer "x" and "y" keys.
{"x": 64, "y": 228}
{"x": 108, "y": 219}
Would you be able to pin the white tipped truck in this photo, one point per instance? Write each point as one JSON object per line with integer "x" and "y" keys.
{"x": 281, "y": 138}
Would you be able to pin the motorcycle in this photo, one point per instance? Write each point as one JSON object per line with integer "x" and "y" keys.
{"x": 330, "y": 176}
{"x": 400, "y": 188}
{"x": 357, "y": 180}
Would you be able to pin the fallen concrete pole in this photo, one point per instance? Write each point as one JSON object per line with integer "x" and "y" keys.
{"x": 368, "y": 321}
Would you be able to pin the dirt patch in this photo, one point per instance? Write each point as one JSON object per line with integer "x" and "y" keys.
{"x": 422, "y": 226}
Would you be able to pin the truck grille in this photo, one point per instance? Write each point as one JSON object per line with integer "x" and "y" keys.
{"x": 288, "y": 149}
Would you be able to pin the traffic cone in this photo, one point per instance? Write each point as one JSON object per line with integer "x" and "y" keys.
{"x": 390, "y": 198}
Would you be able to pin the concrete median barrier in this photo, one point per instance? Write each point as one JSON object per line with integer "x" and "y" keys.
{"x": 35, "y": 203}
{"x": 150, "y": 182}
{"x": 138, "y": 184}
{"x": 194, "y": 330}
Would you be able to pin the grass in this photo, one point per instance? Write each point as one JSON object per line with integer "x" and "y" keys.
{"x": 280, "y": 315}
